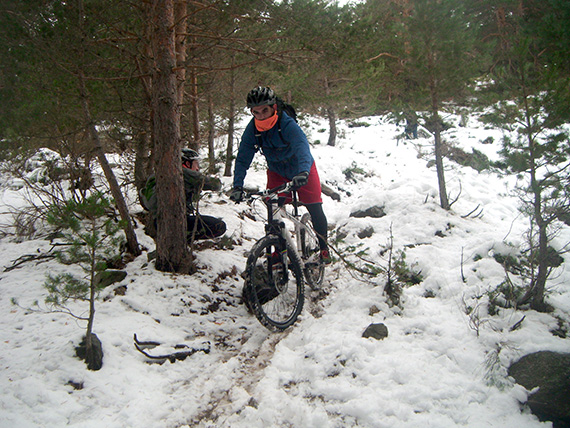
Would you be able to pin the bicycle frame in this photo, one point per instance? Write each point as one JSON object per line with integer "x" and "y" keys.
{"x": 275, "y": 224}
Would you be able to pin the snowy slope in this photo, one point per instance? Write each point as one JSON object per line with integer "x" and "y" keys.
{"x": 437, "y": 368}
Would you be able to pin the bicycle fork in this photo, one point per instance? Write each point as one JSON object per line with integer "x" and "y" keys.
{"x": 276, "y": 226}
{"x": 277, "y": 260}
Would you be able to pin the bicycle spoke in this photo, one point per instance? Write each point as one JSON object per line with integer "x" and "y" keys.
{"x": 275, "y": 294}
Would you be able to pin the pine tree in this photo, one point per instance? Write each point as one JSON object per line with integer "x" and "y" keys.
{"x": 529, "y": 80}
{"x": 428, "y": 62}
{"x": 62, "y": 68}
{"x": 89, "y": 234}
{"x": 319, "y": 32}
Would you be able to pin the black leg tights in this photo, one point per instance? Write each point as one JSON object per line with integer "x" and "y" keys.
{"x": 319, "y": 223}
{"x": 208, "y": 227}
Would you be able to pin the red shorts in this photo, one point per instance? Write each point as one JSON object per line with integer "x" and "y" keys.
{"x": 310, "y": 193}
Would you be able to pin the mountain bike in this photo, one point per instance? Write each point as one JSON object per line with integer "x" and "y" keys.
{"x": 278, "y": 265}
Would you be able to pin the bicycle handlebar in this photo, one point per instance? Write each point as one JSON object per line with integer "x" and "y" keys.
{"x": 285, "y": 187}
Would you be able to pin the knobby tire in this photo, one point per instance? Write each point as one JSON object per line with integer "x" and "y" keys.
{"x": 274, "y": 301}
{"x": 311, "y": 253}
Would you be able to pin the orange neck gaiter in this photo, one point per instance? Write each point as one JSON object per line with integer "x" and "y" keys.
{"x": 266, "y": 124}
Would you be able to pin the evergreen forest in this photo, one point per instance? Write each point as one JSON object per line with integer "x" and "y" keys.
{"x": 98, "y": 96}
{"x": 88, "y": 78}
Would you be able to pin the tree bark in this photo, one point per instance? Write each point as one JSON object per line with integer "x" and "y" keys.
{"x": 539, "y": 283}
{"x": 211, "y": 135}
{"x": 331, "y": 115}
{"x": 443, "y": 199}
{"x": 132, "y": 243}
{"x": 437, "y": 126}
{"x": 144, "y": 163}
{"x": 194, "y": 109}
{"x": 332, "y": 127}
{"x": 171, "y": 251}
{"x": 231, "y": 123}
{"x": 180, "y": 14}
{"x": 193, "y": 92}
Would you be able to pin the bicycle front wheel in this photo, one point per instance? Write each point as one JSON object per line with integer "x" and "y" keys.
{"x": 274, "y": 286}
{"x": 311, "y": 253}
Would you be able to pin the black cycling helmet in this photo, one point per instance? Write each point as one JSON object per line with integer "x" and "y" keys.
{"x": 261, "y": 96}
{"x": 189, "y": 155}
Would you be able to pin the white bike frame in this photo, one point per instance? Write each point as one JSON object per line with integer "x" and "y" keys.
{"x": 281, "y": 213}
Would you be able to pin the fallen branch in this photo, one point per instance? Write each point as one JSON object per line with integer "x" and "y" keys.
{"x": 474, "y": 209}
{"x": 381, "y": 55}
{"x": 27, "y": 258}
{"x": 458, "y": 195}
{"x": 517, "y": 324}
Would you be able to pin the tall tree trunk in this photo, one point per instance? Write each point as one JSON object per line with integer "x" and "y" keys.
{"x": 132, "y": 243}
{"x": 180, "y": 18}
{"x": 331, "y": 115}
{"x": 142, "y": 161}
{"x": 171, "y": 251}
{"x": 211, "y": 135}
{"x": 437, "y": 125}
{"x": 195, "y": 115}
{"x": 539, "y": 285}
{"x": 332, "y": 127}
{"x": 535, "y": 293}
{"x": 231, "y": 123}
{"x": 539, "y": 282}
{"x": 443, "y": 199}
{"x": 230, "y": 146}
{"x": 143, "y": 149}
{"x": 91, "y": 318}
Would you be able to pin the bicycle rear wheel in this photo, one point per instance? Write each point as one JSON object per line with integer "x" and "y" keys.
{"x": 311, "y": 253}
{"x": 274, "y": 287}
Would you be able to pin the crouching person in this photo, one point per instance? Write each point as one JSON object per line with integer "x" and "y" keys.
{"x": 207, "y": 227}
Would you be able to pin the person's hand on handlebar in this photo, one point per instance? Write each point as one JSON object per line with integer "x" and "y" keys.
{"x": 300, "y": 179}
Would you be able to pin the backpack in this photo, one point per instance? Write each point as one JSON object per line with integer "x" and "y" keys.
{"x": 287, "y": 108}
{"x": 282, "y": 106}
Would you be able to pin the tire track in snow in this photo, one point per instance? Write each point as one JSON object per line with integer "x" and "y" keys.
{"x": 252, "y": 362}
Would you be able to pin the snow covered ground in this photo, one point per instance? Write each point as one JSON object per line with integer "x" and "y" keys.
{"x": 438, "y": 367}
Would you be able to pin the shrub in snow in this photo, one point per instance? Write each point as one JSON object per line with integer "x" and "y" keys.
{"x": 90, "y": 238}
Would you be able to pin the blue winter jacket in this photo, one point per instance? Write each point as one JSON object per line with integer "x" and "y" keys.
{"x": 287, "y": 156}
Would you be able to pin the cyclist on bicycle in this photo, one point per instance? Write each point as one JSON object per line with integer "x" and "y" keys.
{"x": 287, "y": 151}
